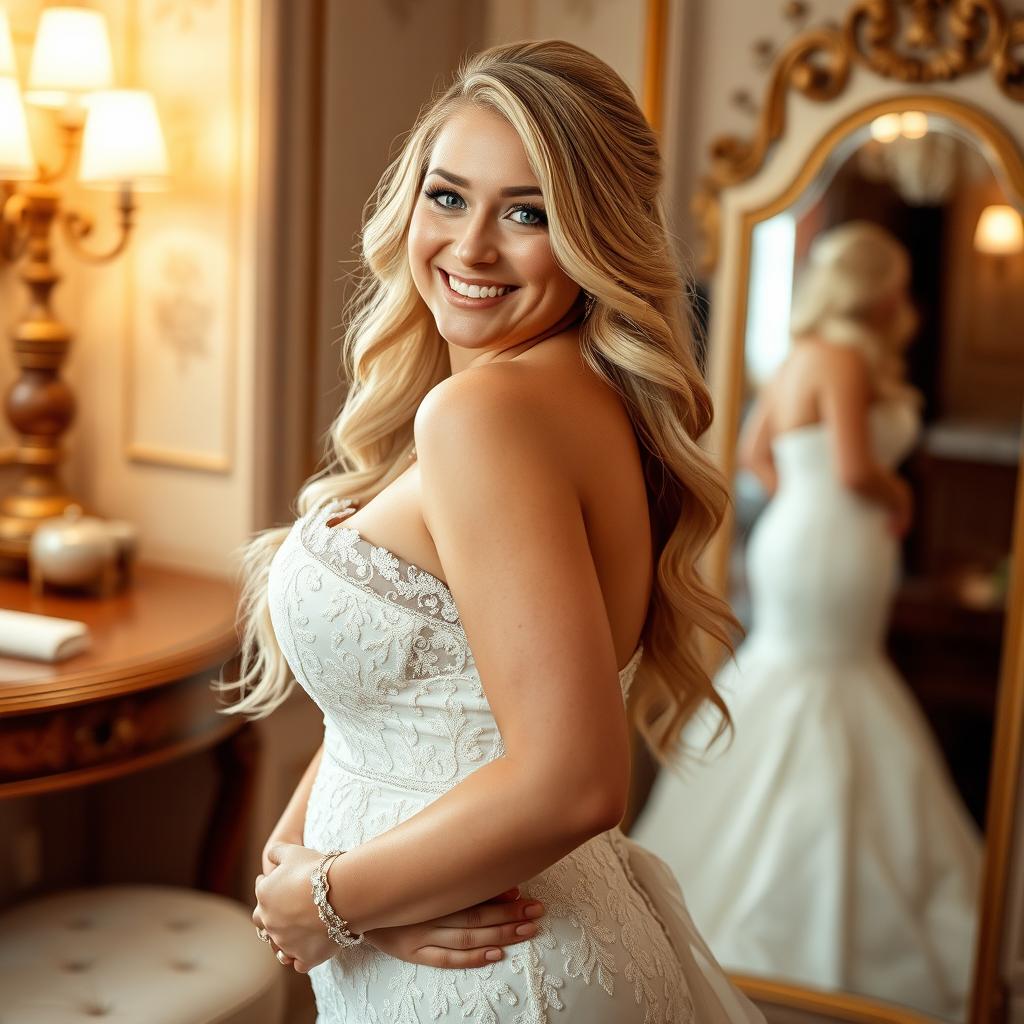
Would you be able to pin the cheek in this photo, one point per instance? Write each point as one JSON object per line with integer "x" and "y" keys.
{"x": 536, "y": 263}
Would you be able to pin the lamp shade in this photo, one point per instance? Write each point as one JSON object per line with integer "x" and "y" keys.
{"x": 7, "y": 62}
{"x": 1000, "y": 231}
{"x": 71, "y": 55}
{"x": 122, "y": 143}
{"x": 16, "y": 160}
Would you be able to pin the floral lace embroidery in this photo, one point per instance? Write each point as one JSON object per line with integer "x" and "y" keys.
{"x": 379, "y": 645}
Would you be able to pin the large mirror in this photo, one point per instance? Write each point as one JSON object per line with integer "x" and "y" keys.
{"x": 877, "y": 395}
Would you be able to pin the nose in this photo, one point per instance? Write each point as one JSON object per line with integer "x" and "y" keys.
{"x": 476, "y": 245}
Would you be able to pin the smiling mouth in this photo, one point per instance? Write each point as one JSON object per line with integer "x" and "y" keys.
{"x": 474, "y": 292}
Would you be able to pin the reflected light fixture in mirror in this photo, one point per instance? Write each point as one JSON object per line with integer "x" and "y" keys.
{"x": 886, "y": 128}
{"x": 1000, "y": 231}
{"x": 911, "y": 124}
{"x": 999, "y": 235}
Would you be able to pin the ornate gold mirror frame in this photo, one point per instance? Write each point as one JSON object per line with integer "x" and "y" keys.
{"x": 909, "y": 41}
{"x": 986, "y": 1000}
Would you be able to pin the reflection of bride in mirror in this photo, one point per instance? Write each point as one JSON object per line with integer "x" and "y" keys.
{"x": 827, "y": 844}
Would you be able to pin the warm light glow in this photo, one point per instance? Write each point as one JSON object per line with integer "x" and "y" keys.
{"x": 913, "y": 124}
{"x": 7, "y": 62}
{"x": 71, "y": 55}
{"x": 16, "y": 160}
{"x": 1000, "y": 231}
{"x": 122, "y": 143}
{"x": 886, "y": 128}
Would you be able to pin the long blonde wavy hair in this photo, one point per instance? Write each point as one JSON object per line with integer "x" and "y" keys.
{"x": 853, "y": 271}
{"x": 599, "y": 169}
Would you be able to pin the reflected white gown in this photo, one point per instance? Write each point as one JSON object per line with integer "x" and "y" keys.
{"x": 380, "y": 646}
{"x": 827, "y": 845}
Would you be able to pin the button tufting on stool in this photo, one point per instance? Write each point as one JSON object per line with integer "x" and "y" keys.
{"x": 136, "y": 954}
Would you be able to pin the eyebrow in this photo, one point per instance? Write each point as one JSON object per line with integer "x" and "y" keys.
{"x": 515, "y": 190}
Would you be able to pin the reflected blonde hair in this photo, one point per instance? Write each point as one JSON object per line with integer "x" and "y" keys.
{"x": 852, "y": 270}
{"x": 599, "y": 169}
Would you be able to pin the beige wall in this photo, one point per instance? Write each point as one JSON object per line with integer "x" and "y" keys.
{"x": 383, "y": 60}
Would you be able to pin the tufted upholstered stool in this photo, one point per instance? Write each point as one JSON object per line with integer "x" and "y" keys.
{"x": 136, "y": 954}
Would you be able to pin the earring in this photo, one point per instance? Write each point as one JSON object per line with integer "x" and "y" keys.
{"x": 588, "y": 304}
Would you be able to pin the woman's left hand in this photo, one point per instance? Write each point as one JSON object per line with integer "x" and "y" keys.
{"x": 285, "y": 908}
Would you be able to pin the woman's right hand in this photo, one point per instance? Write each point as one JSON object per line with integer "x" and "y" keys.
{"x": 468, "y": 938}
{"x": 290, "y": 836}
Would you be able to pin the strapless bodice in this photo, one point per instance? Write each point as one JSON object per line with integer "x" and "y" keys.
{"x": 805, "y": 454}
{"x": 379, "y": 645}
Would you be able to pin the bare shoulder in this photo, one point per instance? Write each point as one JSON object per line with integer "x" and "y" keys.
{"x": 549, "y": 412}
{"x": 829, "y": 358}
{"x": 486, "y": 400}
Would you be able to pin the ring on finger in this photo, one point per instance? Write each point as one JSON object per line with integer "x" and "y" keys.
{"x": 282, "y": 956}
{"x": 262, "y": 935}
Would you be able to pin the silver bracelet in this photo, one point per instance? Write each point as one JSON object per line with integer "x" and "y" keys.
{"x": 337, "y": 927}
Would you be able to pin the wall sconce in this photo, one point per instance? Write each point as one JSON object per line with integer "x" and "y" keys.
{"x": 116, "y": 133}
{"x": 1000, "y": 231}
{"x": 999, "y": 234}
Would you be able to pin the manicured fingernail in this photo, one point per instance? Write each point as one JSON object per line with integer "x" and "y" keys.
{"x": 492, "y": 954}
{"x": 533, "y": 910}
{"x": 525, "y": 929}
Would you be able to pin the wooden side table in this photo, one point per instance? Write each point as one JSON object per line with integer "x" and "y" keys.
{"x": 140, "y": 697}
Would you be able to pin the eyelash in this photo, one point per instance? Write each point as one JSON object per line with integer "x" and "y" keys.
{"x": 435, "y": 193}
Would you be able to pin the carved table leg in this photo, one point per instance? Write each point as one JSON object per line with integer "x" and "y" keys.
{"x": 237, "y": 760}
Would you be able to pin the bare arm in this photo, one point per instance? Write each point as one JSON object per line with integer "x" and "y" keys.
{"x": 754, "y": 452}
{"x": 845, "y": 399}
{"x": 505, "y": 515}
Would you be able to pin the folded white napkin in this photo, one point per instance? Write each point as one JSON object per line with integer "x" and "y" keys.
{"x": 43, "y": 637}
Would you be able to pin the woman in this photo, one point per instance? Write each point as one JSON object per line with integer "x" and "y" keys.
{"x": 865, "y": 864}
{"x": 522, "y": 427}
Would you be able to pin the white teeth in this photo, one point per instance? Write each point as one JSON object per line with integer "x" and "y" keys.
{"x": 475, "y": 291}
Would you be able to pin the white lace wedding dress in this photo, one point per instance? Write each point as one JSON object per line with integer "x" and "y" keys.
{"x": 379, "y": 645}
{"x": 842, "y": 855}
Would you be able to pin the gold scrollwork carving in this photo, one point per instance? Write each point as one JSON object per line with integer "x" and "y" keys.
{"x": 911, "y": 48}
{"x": 906, "y": 40}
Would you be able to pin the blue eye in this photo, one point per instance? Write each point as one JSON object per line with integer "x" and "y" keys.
{"x": 533, "y": 211}
{"x": 437, "y": 193}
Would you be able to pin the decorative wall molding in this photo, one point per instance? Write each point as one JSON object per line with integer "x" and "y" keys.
{"x": 183, "y": 315}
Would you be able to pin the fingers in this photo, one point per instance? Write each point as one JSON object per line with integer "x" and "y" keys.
{"x": 282, "y": 957}
{"x": 486, "y": 915}
{"x": 480, "y": 938}
{"x": 436, "y": 956}
{"x": 508, "y": 896}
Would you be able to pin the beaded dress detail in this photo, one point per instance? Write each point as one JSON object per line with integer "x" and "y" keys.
{"x": 378, "y": 644}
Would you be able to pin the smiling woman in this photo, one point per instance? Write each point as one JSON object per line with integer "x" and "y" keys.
{"x": 472, "y": 669}
{"x": 474, "y": 245}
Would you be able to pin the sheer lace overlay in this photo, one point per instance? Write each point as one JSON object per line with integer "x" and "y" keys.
{"x": 379, "y": 646}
